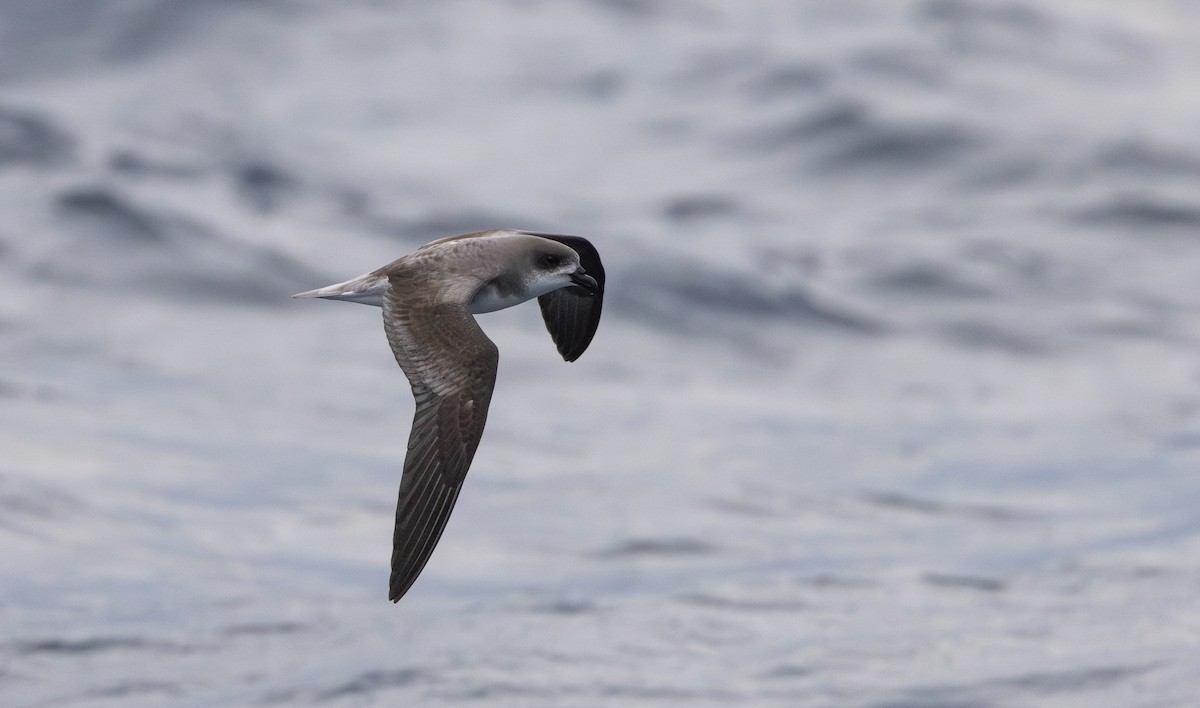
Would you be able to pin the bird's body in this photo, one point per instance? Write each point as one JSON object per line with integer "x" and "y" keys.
{"x": 428, "y": 299}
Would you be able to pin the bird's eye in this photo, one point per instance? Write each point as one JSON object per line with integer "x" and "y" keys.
{"x": 547, "y": 261}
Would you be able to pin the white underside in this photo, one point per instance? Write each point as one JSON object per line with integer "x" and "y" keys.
{"x": 488, "y": 300}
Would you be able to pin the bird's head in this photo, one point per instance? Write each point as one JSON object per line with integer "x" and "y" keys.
{"x": 554, "y": 265}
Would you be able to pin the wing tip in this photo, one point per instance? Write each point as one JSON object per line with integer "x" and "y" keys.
{"x": 398, "y": 586}
{"x": 572, "y": 349}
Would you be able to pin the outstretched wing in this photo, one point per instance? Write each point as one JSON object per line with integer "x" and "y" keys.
{"x": 572, "y": 314}
{"x": 451, "y": 365}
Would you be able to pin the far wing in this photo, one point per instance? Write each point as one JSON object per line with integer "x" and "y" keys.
{"x": 572, "y": 314}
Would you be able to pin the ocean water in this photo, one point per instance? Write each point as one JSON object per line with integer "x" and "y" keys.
{"x": 896, "y": 399}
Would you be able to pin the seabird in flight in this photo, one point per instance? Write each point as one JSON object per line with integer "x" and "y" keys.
{"x": 429, "y": 298}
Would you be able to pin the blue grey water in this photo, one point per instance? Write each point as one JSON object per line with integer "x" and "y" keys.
{"x": 896, "y": 401}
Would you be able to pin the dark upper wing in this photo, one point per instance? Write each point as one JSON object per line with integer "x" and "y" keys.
{"x": 572, "y": 314}
{"x": 451, "y": 365}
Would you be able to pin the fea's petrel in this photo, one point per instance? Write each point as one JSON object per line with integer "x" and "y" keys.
{"x": 428, "y": 299}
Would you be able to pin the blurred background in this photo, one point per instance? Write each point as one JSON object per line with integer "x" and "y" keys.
{"x": 896, "y": 400}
